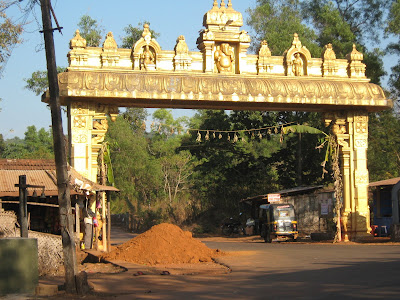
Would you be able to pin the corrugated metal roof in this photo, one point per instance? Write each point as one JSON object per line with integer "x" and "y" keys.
{"x": 27, "y": 164}
{"x": 391, "y": 181}
{"x": 9, "y": 178}
{"x": 287, "y": 192}
{"x": 40, "y": 172}
{"x": 299, "y": 190}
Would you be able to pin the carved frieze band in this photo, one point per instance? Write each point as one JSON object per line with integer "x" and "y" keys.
{"x": 226, "y": 88}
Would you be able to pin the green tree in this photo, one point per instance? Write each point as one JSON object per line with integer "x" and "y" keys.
{"x": 344, "y": 23}
{"x": 9, "y": 34}
{"x": 228, "y": 171}
{"x": 135, "y": 117}
{"x": 39, "y": 83}
{"x": 244, "y": 153}
{"x": 2, "y": 145}
{"x": 133, "y": 34}
{"x": 35, "y": 145}
{"x": 384, "y": 146}
{"x": 346, "y": 20}
{"x": 136, "y": 172}
{"x": 393, "y": 29}
{"x": 177, "y": 165}
{"x": 91, "y": 31}
{"x": 341, "y": 23}
{"x": 15, "y": 149}
{"x": 276, "y": 22}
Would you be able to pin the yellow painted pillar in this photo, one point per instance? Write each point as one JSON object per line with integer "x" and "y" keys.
{"x": 79, "y": 128}
{"x": 361, "y": 174}
{"x": 87, "y": 127}
{"x": 351, "y": 130}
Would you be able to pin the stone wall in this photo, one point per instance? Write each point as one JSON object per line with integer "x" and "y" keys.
{"x": 50, "y": 252}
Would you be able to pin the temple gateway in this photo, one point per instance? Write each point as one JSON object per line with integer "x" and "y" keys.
{"x": 223, "y": 75}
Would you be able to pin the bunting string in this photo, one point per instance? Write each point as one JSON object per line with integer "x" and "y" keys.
{"x": 204, "y": 135}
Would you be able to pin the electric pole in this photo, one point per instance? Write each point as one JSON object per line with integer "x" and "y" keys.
{"x": 64, "y": 199}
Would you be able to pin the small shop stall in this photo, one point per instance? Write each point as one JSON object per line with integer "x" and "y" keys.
{"x": 89, "y": 200}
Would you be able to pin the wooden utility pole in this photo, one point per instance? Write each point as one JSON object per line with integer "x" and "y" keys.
{"x": 64, "y": 199}
{"x": 23, "y": 214}
{"x": 23, "y": 204}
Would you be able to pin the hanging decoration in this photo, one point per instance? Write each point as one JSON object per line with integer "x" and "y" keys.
{"x": 234, "y": 136}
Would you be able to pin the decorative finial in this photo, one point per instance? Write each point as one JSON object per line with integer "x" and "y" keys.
{"x": 230, "y": 4}
{"x": 215, "y": 4}
{"x": 110, "y": 43}
{"x": 355, "y": 55}
{"x": 223, "y": 3}
{"x": 296, "y": 41}
{"x": 146, "y": 30}
{"x": 146, "y": 35}
{"x": 78, "y": 41}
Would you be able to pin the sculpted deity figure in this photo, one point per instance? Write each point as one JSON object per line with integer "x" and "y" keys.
{"x": 224, "y": 58}
{"x": 147, "y": 57}
{"x": 297, "y": 65}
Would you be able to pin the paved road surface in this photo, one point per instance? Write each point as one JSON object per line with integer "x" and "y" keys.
{"x": 275, "y": 271}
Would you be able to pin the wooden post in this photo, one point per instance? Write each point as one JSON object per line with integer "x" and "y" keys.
{"x": 77, "y": 225}
{"x": 104, "y": 218}
{"x": 23, "y": 207}
{"x": 108, "y": 222}
{"x": 96, "y": 228}
{"x": 64, "y": 199}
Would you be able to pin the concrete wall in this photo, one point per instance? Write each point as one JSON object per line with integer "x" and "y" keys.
{"x": 19, "y": 266}
{"x": 308, "y": 211}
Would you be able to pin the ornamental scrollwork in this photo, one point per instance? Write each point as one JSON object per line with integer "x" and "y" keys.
{"x": 79, "y": 138}
{"x": 79, "y": 122}
{"x": 361, "y": 124}
{"x": 361, "y": 143}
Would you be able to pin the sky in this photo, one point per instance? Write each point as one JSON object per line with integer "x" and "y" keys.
{"x": 21, "y": 108}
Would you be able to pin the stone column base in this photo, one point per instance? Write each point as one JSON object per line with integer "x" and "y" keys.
{"x": 395, "y": 233}
{"x": 362, "y": 237}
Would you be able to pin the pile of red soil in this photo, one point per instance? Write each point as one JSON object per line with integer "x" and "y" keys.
{"x": 163, "y": 244}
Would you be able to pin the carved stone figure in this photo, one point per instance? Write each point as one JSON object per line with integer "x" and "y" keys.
{"x": 147, "y": 57}
{"x": 224, "y": 58}
{"x": 297, "y": 65}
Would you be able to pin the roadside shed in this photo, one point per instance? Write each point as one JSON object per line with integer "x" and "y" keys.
{"x": 385, "y": 208}
{"x": 43, "y": 202}
{"x": 313, "y": 206}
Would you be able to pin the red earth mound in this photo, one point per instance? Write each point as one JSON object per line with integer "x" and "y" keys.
{"x": 163, "y": 244}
